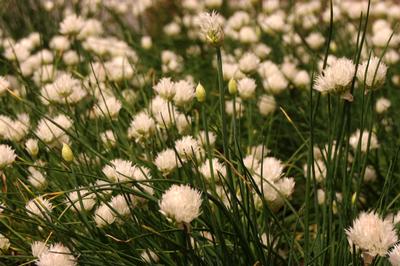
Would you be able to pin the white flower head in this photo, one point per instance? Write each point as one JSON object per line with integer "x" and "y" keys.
{"x": 184, "y": 93}
{"x": 32, "y": 147}
{"x": 211, "y": 27}
{"x": 36, "y": 178}
{"x": 166, "y": 161}
{"x": 80, "y": 200}
{"x": 217, "y": 169}
{"x": 108, "y": 107}
{"x": 382, "y": 105}
{"x": 52, "y": 131}
{"x": 372, "y": 234}
{"x": 4, "y": 243}
{"x": 394, "y": 255}
{"x": 142, "y": 127}
{"x": 14, "y": 129}
{"x": 56, "y": 254}
{"x": 104, "y": 216}
{"x": 38, "y": 248}
{"x": 188, "y": 148}
{"x": 4, "y": 85}
{"x": 266, "y": 104}
{"x": 272, "y": 169}
{"x": 336, "y": 78}
{"x": 71, "y": 25}
{"x": 181, "y": 203}
{"x": 39, "y": 207}
{"x": 7, "y": 156}
{"x": 119, "y": 170}
{"x": 372, "y": 72}
{"x": 165, "y": 88}
{"x": 363, "y": 138}
{"x": 247, "y": 88}
{"x": 149, "y": 256}
{"x": 249, "y": 62}
{"x": 202, "y": 138}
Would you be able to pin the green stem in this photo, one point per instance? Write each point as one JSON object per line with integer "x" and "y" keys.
{"x": 222, "y": 105}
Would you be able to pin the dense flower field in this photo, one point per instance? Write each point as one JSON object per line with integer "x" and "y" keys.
{"x": 199, "y": 132}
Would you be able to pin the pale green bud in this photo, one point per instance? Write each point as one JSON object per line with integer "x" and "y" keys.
{"x": 67, "y": 153}
{"x": 200, "y": 93}
{"x": 232, "y": 86}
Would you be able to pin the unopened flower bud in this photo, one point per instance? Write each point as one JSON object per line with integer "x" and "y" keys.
{"x": 31, "y": 146}
{"x": 200, "y": 93}
{"x": 146, "y": 42}
{"x": 353, "y": 198}
{"x": 67, "y": 153}
{"x": 232, "y": 86}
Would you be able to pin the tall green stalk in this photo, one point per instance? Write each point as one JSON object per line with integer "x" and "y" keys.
{"x": 222, "y": 106}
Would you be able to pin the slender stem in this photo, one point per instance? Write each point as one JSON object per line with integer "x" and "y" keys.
{"x": 222, "y": 105}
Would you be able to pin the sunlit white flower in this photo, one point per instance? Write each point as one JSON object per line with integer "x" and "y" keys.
{"x": 56, "y": 254}
{"x": 108, "y": 138}
{"x": 382, "y": 105}
{"x": 166, "y": 161}
{"x": 364, "y": 139}
{"x": 275, "y": 83}
{"x": 142, "y": 127}
{"x": 14, "y": 129}
{"x": 315, "y": 40}
{"x": 38, "y": 248}
{"x": 31, "y": 146}
{"x": 266, "y": 104}
{"x": 4, "y": 243}
{"x": 370, "y": 174}
{"x": 146, "y": 42}
{"x": 217, "y": 170}
{"x": 394, "y": 255}
{"x": 187, "y": 148}
{"x": 52, "y": 131}
{"x": 211, "y": 27}
{"x": 121, "y": 205}
{"x": 184, "y": 93}
{"x": 248, "y": 35}
{"x": 165, "y": 88}
{"x": 372, "y": 72}
{"x": 39, "y": 207}
{"x": 4, "y": 85}
{"x": 259, "y": 151}
{"x": 271, "y": 169}
{"x": 239, "y": 107}
{"x": 80, "y": 200}
{"x": 272, "y": 23}
{"x": 7, "y": 156}
{"x": 120, "y": 68}
{"x": 108, "y": 107}
{"x": 248, "y": 62}
{"x": 320, "y": 170}
{"x": 104, "y": 215}
{"x": 36, "y": 178}
{"x": 149, "y": 256}
{"x": 71, "y": 25}
{"x": 202, "y": 138}
{"x": 302, "y": 79}
{"x": 372, "y": 234}
{"x": 119, "y": 170}
{"x": 60, "y": 43}
{"x": 251, "y": 163}
{"x": 336, "y": 78}
{"x": 91, "y": 27}
{"x": 181, "y": 203}
{"x": 246, "y": 88}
